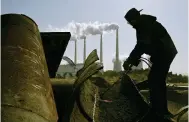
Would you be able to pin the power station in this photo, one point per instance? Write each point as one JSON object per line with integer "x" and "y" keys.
{"x": 117, "y": 63}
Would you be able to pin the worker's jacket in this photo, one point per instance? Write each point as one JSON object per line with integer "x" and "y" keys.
{"x": 152, "y": 39}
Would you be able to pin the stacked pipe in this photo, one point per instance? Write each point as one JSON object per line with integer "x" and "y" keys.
{"x": 26, "y": 89}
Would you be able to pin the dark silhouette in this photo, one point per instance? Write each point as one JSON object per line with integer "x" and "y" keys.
{"x": 54, "y": 45}
{"x": 154, "y": 40}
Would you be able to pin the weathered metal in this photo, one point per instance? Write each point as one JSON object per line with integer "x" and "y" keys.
{"x": 80, "y": 102}
{"x": 86, "y": 107}
{"x": 89, "y": 68}
{"x": 26, "y": 89}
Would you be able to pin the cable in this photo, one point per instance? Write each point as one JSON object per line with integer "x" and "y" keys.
{"x": 147, "y": 61}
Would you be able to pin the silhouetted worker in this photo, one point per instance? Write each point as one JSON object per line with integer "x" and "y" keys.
{"x": 154, "y": 40}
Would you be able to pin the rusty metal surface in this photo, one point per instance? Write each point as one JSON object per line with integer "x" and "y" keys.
{"x": 26, "y": 89}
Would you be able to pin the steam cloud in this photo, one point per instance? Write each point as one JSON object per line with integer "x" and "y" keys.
{"x": 81, "y": 30}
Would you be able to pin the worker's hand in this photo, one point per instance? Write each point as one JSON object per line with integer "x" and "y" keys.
{"x": 127, "y": 66}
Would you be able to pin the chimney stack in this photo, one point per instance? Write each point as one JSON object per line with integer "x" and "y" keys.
{"x": 84, "y": 50}
{"x": 117, "y": 46}
{"x": 75, "y": 58}
{"x": 117, "y": 62}
{"x": 101, "y": 51}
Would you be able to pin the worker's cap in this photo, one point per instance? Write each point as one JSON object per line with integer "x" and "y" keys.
{"x": 132, "y": 14}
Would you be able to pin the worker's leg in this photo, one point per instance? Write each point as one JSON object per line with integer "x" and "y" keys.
{"x": 157, "y": 85}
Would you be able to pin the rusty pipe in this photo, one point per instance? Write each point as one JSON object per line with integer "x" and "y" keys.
{"x": 26, "y": 89}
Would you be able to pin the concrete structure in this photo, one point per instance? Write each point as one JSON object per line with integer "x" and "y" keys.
{"x": 117, "y": 62}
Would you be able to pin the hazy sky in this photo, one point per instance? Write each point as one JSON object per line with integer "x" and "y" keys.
{"x": 58, "y": 13}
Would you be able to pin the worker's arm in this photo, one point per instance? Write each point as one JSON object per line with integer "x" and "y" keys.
{"x": 136, "y": 54}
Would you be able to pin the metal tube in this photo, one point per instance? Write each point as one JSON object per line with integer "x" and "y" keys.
{"x": 26, "y": 89}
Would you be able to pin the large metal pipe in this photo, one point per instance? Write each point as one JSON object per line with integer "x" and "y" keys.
{"x": 75, "y": 57}
{"x": 84, "y": 50}
{"x": 101, "y": 50}
{"x": 26, "y": 89}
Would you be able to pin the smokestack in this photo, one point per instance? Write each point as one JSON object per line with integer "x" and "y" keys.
{"x": 75, "y": 58}
{"x": 117, "y": 46}
{"x": 101, "y": 55}
{"x": 117, "y": 62}
{"x": 84, "y": 50}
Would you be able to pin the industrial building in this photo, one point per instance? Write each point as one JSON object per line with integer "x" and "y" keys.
{"x": 67, "y": 69}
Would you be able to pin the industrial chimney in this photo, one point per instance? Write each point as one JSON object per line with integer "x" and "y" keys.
{"x": 117, "y": 46}
{"x": 84, "y": 50}
{"x": 117, "y": 62}
{"x": 75, "y": 57}
{"x": 101, "y": 53}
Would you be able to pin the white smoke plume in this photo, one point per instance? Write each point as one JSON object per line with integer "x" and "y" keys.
{"x": 81, "y": 30}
